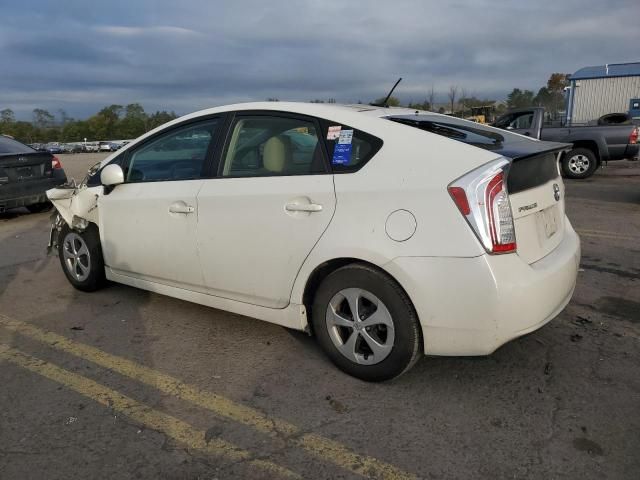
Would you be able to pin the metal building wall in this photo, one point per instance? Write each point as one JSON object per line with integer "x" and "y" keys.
{"x": 595, "y": 97}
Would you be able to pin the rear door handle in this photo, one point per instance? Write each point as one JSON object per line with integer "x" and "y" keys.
{"x": 303, "y": 207}
{"x": 181, "y": 207}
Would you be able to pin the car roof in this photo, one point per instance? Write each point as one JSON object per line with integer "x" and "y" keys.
{"x": 366, "y": 117}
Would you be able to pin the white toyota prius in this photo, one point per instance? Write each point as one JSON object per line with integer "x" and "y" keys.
{"x": 386, "y": 233}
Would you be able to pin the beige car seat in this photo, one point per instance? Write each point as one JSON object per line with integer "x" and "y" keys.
{"x": 277, "y": 155}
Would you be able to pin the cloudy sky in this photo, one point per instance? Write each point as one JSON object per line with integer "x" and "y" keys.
{"x": 186, "y": 55}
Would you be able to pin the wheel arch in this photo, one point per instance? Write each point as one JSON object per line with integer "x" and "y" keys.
{"x": 591, "y": 145}
{"x": 321, "y": 271}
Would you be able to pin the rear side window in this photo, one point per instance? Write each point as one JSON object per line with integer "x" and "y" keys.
{"x": 349, "y": 149}
{"x": 517, "y": 120}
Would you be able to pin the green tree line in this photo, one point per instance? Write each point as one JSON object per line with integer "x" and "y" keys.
{"x": 112, "y": 122}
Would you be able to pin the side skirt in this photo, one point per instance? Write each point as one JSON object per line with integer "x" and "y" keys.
{"x": 293, "y": 316}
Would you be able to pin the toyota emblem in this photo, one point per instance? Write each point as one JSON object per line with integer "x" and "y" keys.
{"x": 556, "y": 192}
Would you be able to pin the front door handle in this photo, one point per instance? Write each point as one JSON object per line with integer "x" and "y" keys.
{"x": 181, "y": 207}
{"x": 303, "y": 207}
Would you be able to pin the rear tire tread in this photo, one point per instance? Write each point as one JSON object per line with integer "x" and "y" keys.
{"x": 410, "y": 320}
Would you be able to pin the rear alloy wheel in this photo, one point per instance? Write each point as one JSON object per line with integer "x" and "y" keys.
{"x": 579, "y": 163}
{"x": 360, "y": 326}
{"x": 366, "y": 324}
{"x": 81, "y": 258}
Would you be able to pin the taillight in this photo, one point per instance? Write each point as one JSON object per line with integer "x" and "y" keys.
{"x": 55, "y": 163}
{"x": 483, "y": 199}
{"x": 633, "y": 138}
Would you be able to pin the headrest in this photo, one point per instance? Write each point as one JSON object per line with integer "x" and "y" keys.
{"x": 274, "y": 155}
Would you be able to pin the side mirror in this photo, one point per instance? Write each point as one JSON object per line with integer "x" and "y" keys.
{"x": 112, "y": 175}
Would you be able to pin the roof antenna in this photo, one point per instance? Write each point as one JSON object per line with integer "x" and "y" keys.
{"x": 384, "y": 103}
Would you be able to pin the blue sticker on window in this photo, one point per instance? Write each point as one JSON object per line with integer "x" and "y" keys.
{"x": 341, "y": 154}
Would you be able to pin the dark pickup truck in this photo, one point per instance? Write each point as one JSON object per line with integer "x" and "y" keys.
{"x": 592, "y": 145}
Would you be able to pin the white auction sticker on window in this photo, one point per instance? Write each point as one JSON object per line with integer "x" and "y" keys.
{"x": 334, "y": 132}
{"x": 345, "y": 138}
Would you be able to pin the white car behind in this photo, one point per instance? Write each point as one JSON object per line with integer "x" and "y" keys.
{"x": 385, "y": 233}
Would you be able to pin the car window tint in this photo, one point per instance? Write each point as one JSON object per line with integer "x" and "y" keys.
{"x": 11, "y": 146}
{"x": 348, "y": 159}
{"x": 523, "y": 121}
{"x": 268, "y": 145}
{"x": 515, "y": 120}
{"x": 471, "y": 133}
{"x": 176, "y": 155}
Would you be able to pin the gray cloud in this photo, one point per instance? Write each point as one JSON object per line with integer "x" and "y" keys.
{"x": 186, "y": 56}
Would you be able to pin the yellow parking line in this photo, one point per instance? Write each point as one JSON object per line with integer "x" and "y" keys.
{"x": 608, "y": 235}
{"x": 139, "y": 412}
{"x": 321, "y": 447}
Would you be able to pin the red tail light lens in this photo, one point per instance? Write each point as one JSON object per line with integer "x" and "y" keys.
{"x": 501, "y": 227}
{"x": 55, "y": 163}
{"x": 483, "y": 199}
{"x": 460, "y": 197}
{"x": 633, "y": 138}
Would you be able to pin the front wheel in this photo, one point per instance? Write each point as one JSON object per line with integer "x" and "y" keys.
{"x": 579, "y": 163}
{"x": 366, "y": 324}
{"x": 80, "y": 255}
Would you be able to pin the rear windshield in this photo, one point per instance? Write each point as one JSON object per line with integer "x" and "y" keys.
{"x": 13, "y": 147}
{"x": 461, "y": 130}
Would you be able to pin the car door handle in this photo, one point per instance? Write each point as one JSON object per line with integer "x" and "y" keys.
{"x": 181, "y": 207}
{"x": 303, "y": 207}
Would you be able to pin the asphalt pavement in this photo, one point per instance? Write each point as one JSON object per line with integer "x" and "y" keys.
{"x": 123, "y": 383}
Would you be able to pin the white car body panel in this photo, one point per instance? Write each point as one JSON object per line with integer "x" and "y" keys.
{"x": 154, "y": 234}
{"x": 251, "y": 247}
{"x": 241, "y": 251}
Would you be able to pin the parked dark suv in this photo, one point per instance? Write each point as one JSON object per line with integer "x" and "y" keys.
{"x": 25, "y": 176}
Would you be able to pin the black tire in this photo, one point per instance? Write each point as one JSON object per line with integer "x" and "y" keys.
{"x": 579, "y": 163}
{"x": 88, "y": 264}
{"x": 406, "y": 347}
{"x": 39, "y": 207}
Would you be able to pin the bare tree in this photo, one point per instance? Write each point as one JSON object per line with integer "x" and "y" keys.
{"x": 432, "y": 98}
{"x": 453, "y": 93}
{"x": 463, "y": 99}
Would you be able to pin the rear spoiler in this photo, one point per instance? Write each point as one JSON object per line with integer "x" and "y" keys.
{"x": 545, "y": 148}
{"x": 536, "y": 167}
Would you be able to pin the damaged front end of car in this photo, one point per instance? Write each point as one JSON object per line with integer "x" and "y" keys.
{"x": 74, "y": 205}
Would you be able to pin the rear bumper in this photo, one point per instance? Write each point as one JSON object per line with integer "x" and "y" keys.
{"x": 621, "y": 152}
{"x": 472, "y": 306}
{"x": 632, "y": 151}
{"x": 20, "y": 194}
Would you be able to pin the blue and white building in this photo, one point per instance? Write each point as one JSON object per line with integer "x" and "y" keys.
{"x": 597, "y": 91}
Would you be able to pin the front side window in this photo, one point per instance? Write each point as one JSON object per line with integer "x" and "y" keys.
{"x": 176, "y": 155}
{"x": 265, "y": 145}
